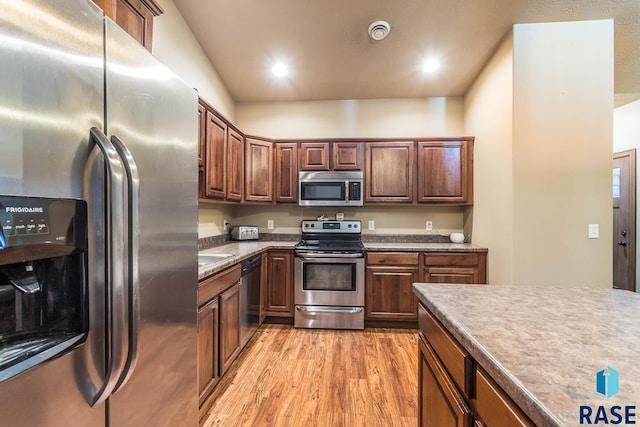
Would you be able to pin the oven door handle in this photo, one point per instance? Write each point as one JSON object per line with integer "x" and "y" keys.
{"x": 313, "y": 257}
{"x": 349, "y": 310}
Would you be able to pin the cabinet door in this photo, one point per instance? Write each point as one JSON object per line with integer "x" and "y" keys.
{"x": 444, "y": 172}
{"x": 258, "y": 170}
{"x": 440, "y": 402}
{"x": 280, "y": 284}
{"x": 347, "y": 156}
{"x": 389, "y": 172}
{"x": 389, "y": 293}
{"x": 314, "y": 156}
{"x": 216, "y": 164}
{"x": 207, "y": 348}
{"x": 286, "y": 172}
{"x": 202, "y": 140}
{"x": 202, "y": 134}
{"x": 235, "y": 165}
{"x": 229, "y": 326}
{"x": 134, "y": 16}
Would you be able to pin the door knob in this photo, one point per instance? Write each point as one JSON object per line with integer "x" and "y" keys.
{"x": 622, "y": 243}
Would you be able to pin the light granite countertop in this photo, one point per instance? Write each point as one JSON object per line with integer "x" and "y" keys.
{"x": 544, "y": 346}
{"x": 243, "y": 250}
{"x": 240, "y": 251}
{"x": 423, "y": 247}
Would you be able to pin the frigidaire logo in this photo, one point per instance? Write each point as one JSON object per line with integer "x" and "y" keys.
{"x": 608, "y": 384}
{"x": 19, "y": 209}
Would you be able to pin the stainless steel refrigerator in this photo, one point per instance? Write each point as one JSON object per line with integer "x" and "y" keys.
{"x": 87, "y": 113}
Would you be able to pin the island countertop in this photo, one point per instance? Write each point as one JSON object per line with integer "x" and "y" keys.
{"x": 544, "y": 346}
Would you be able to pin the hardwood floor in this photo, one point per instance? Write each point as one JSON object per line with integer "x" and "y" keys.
{"x": 315, "y": 377}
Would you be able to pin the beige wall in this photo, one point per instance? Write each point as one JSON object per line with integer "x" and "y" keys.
{"x": 562, "y": 141}
{"x": 352, "y": 118}
{"x": 388, "y": 220}
{"x": 626, "y": 136}
{"x": 543, "y": 130}
{"x": 175, "y": 45}
{"x": 489, "y": 116}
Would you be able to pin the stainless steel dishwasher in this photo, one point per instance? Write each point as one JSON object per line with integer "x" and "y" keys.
{"x": 250, "y": 298}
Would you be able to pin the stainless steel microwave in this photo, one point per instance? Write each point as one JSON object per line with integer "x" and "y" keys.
{"x": 330, "y": 188}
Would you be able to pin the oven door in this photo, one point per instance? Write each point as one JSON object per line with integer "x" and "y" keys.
{"x": 329, "y": 281}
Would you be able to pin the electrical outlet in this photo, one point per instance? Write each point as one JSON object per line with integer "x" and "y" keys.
{"x": 372, "y": 225}
{"x": 269, "y": 224}
{"x": 594, "y": 231}
{"x": 429, "y": 225}
{"x": 225, "y": 225}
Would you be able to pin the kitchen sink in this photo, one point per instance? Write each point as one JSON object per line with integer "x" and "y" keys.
{"x": 204, "y": 259}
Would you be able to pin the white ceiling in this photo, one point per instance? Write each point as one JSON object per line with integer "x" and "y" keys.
{"x": 331, "y": 56}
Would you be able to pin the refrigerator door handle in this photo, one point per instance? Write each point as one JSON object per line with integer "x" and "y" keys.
{"x": 133, "y": 280}
{"x": 114, "y": 295}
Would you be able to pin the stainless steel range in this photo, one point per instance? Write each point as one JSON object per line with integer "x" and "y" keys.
{"x": 329, "y": 276}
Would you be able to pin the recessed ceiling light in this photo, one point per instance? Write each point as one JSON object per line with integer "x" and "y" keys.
{"x": 280, "y": 70}
{"x": 430, "y": 65}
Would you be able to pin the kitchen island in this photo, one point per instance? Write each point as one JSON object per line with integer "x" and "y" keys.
{"x": 544, "y": 346}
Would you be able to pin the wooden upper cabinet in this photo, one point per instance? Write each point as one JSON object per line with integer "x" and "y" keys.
{"x": 202, "y": 134}
{"x": 347, "y": 156}
{"x": 286, "y": 184}
{"x": 314, "y": 156}
{"x": 445, "y": 172}
{"x": 216, "y": 149}
{"x": 258, "y": 170}
{"x": 389, "y": 172}
{"x": 235, "y": 165}
{"x": 134, "y": 16}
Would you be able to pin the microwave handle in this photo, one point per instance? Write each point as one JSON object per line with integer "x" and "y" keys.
{"x": 346, "y": 192}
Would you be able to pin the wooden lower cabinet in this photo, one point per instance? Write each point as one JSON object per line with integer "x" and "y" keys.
{"x": 493, "y": 407}
{"x": 441, "y": 404}
{"x": 459, "y": 268}
{"x": 389, "y": 279}
{"x": 454, "y": 390}
{"x": 218, "y": 327}
{"x": 208, "y": 335}
{"x": 279, "y": 298}
{"x": 230, "y": 345}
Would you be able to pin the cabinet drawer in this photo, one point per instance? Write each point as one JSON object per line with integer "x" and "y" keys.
{"x": 451, "y": 260}
{"x": 455, "y": 358}
{"x": 493, "y": 407}
{"x": 215, "y": 285}
{"x": 441, "y": 403}
{"x": 392, "y": 258}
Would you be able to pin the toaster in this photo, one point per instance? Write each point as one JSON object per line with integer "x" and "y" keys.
{"x": 244, "y": 232}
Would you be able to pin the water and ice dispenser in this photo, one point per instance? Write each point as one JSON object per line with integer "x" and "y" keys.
{"x": 43, "y": 280}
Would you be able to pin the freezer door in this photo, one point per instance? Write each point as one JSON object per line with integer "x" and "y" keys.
{"x": 51, "y": 94}
{"x": 154, "y": 114}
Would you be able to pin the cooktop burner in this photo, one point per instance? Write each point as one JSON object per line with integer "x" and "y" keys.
{"x": 330, "y": 237}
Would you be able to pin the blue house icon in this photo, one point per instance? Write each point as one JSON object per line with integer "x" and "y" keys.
{"x": 608, "y": 382}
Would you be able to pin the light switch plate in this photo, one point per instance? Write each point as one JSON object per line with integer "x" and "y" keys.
{"x": 372, "y": 225}
{"x": 269, "y": 224}
{"x": 594, "y": 231}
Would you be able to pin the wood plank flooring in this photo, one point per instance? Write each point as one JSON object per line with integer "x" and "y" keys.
{"x": 314, "y": 377}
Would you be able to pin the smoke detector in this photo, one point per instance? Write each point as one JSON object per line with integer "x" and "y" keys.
{"x": 379, "y": 30}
